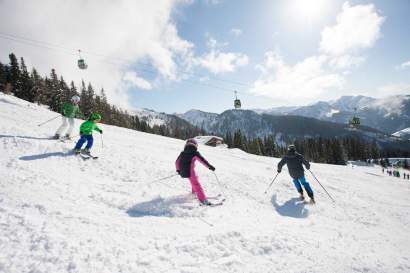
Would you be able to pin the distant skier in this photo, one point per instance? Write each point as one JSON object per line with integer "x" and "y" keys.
{"x": 185, "y": 166}
{"x": 86, "y": 133}
{"x": 69, "y": 112}
{"x": 294, "y": 161}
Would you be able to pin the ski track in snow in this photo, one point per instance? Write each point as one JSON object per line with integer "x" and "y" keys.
{"x": 59, "y": 213}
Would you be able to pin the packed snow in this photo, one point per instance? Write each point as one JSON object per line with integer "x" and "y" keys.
{"x": 60, "y": 213}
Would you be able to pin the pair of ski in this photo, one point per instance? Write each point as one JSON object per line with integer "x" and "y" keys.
{"x": 81, "y": 154}
{"x": 61, "y": 139}
{"x": 304, "y": 201}
{"x": 85, "y": 156}
{"x": 218, "y": 201}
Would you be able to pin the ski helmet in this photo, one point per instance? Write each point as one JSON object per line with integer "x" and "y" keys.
{"x": 75, "y": 99}
{"x": 191, "y": 142}
{"x": 291, "y": 148}
{"x": 95, "y": 116}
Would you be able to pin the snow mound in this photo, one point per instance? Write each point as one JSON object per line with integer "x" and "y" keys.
{"x": 59, "y": 213}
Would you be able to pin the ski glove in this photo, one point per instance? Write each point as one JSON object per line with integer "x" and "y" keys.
{"x": 100, "y": 131}
{"x": 212, "y": 168}
{"x": 279, "y": 170}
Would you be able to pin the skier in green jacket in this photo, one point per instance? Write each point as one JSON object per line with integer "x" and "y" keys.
{"x": 86, "y": 133}
{"x": 69, "y": 112}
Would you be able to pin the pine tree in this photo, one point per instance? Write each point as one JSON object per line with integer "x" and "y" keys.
{"x": 38, "y": 85}
{"x": 14, "y": 75}
{"x": 237, "y": 139}
{"x": 228, "y": 139}
{"x": 3, "y": 77}
{"x": 54, "y": 93}
{"x": 26, "y": 91}
{"x": 85, "y": 103}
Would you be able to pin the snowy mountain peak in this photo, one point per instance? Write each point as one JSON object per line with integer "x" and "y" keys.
{"x": 350, "y": 103}
{"x": 388, "y": 114}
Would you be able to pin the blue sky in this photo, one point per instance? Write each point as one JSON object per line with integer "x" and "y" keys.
{"x": 264, "y": 28}
{"x": 173, "y": 56}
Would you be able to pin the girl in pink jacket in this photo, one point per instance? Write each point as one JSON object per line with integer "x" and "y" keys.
{"x": 185, "y": 165}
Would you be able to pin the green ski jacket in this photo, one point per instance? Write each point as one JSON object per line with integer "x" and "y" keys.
{"x": 88, "y": 127}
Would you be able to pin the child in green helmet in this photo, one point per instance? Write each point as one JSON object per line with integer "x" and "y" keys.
{"x": 86, "y": 133}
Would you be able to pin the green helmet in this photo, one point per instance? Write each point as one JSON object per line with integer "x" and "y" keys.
{"x": 95, "y": 116}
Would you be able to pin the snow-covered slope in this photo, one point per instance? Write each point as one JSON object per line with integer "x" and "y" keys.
{"x": 59, "y": 213}
{"x": 405, "y": 133}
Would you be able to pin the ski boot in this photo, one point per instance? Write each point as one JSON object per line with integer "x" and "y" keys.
{"x": 206, "y": 203}
{"x": 67, "y": 136}
{"x": 56, "y": 136}
{"x": 77, "y": 151}
{"x": 86, "y": 151}
{"x": 312, "y": 200}
{"x": 302, "y": 197}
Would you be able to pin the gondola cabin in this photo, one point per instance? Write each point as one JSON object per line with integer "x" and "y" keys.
{"x": 354, "y": 122}
{"x": 237, "y": 102}
{"x": 81, "y": 64}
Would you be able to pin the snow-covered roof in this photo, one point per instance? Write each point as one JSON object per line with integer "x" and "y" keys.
{"x": 206, "y": 139}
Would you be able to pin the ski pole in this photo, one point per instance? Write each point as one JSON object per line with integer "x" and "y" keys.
{"x": 271, "y": 183}
{"x": 220, "y": 185}
{"x": 41, "y": 124}
{"x": 163, "y": 178}
{"x": 321, "y": 186}
{"x": 102, "y": 142}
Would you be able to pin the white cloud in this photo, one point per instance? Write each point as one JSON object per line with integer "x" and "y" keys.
{"x": 236, "y": 31}
{"x": 394, "y": 89}
{"x": 218, "y": 62}
{"x": 358, "y": 27}
{"x": 346, "y": 61}
{"x": 123, "y": 31}
{"x": 316, "y": 77}
{"x": 139, "y": 82}
{"x": 302, "y": 81}
{"x": 405, "y": 65}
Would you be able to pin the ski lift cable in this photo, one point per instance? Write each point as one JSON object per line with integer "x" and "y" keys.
{"x": 106, "y": 60}
{"x": 48, "y": 45}
{"x": 71, "y": 52}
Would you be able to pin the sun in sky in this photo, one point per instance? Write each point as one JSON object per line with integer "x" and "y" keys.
{"x": 307, "y": 11}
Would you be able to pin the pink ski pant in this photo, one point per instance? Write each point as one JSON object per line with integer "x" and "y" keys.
{"x": 197, "y": 188}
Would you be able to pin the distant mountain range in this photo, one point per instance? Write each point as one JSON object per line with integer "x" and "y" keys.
{"x": 284, "y": 128}
{"x": 389, "y": 114}
{"x": 173, "y": 123}
{"x": 380, "y": 118}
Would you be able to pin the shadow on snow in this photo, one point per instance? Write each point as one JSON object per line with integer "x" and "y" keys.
{"x": 291, "y": 208}
{"x": 45, "y": 155}
{"x": 26, "y": 137}
{"x": 175, "y": 206}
